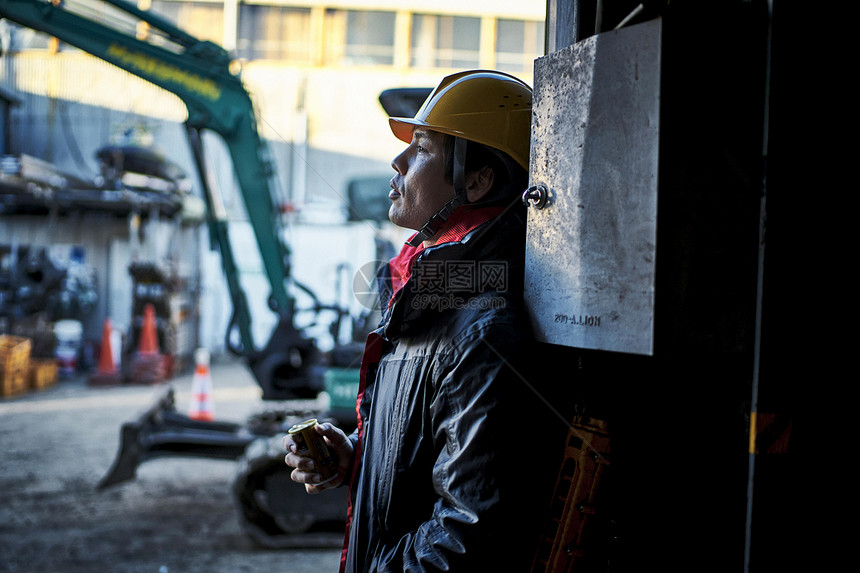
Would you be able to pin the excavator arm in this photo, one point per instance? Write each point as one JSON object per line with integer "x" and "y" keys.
{"x": 198, "y": 72}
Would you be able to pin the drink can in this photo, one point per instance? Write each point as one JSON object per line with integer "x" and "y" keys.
{"x": 311, "y": 444}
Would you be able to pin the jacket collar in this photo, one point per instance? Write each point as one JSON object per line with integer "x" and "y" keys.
{"x": 465, "y": 239}
{"x": 459, "y": 224}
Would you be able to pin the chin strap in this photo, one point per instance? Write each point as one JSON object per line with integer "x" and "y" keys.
{"x": 435, "y": 223}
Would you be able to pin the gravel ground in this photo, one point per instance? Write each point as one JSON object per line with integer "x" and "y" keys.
{"x": 177, "y": 516}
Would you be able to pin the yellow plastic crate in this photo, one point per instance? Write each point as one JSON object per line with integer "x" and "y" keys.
{"x": 43, "y": 373}
{"x": 14, "y": 365}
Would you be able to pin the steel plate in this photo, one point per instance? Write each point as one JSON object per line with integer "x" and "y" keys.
{"x": 590, "y": 254}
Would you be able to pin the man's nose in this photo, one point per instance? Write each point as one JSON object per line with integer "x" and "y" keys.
{"x": 399, "y": 163}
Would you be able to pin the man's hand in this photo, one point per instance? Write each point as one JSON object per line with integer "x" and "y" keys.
{"x": 305, "y": 472}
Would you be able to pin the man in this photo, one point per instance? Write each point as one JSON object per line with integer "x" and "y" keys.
{"x": 445, "y": 409}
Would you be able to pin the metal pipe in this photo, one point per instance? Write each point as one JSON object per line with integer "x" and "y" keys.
{"x": 630, "y": 16}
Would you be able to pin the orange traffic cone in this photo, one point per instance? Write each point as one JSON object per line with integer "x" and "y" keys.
{"x": 148, "y": 334}
{"x": 201, "y": 407}
{"x": 148, "y": 365}
{"x": 107, "y": 373}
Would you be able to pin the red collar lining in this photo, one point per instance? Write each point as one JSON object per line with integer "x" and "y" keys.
{"x": 456, "y": 228}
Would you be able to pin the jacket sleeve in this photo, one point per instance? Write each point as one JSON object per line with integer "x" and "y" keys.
{"x": 477, "y": 516}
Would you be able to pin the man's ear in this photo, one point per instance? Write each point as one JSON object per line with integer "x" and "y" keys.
{"x": 479, "y": 183}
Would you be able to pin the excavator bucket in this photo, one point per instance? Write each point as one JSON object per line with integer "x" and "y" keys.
{"x": 162, "y": 431}
{"x": 273, "y": 509}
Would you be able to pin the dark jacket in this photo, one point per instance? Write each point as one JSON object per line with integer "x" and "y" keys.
{"x": 444, "y": 409}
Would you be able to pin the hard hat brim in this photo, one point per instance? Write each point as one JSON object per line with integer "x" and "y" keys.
{"x": 402, "y": 128}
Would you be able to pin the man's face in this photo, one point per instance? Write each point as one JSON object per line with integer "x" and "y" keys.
{"x": 419, "y": 188}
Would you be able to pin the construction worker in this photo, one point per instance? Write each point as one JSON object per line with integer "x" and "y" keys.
{"x": 446, "y": 412}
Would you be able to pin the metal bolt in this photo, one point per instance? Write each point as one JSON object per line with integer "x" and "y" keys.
{"x": 536, "y": 195}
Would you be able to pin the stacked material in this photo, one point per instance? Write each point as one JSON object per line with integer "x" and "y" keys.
{"x": 14, "y": 365}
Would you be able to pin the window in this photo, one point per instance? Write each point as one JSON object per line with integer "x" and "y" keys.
{"x": 203, "y": 20}
{"x": 359, "y": 38}
{"x": 445, "y": 41}
{"x": 518, "y": 43}
{"x": 275, "y": 33}
{"x": 16, "y": 38}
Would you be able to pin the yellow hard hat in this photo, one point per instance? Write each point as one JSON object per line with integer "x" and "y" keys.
{"x": 488, "y": 107}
